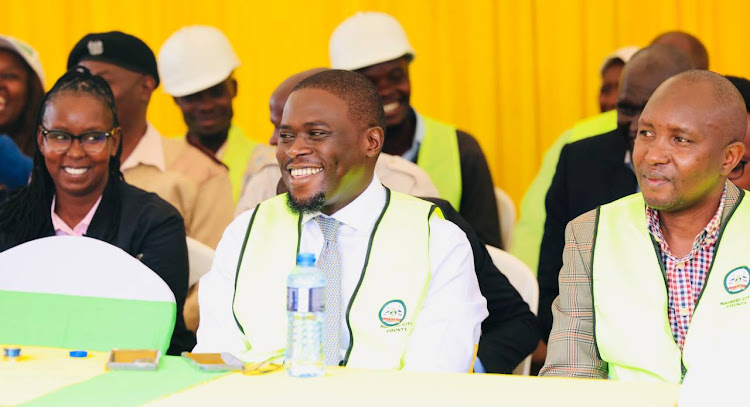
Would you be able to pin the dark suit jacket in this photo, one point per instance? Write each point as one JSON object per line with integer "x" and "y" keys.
{"x": 590, "y": 172}
{"x": 151, "y": 230}
{"x": 478, "y": 202}
{"x": 508, "y": 333}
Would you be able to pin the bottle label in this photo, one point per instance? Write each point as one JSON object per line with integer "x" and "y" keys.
{"x": 305, "y": 299}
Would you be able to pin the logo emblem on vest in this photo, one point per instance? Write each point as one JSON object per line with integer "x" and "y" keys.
{"x": 392, "y": 312}
{"x": 737, "y": 280}
{"x": 96, "y": 47}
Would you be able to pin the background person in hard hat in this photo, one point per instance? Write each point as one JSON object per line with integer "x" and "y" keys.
{"x": 21, "y": 91}
{"x": 375, "y": 45}
{"x": 393, "y": 171}
{"x": 196, "y": 64}
{"x": 610, "y": 73}
{"x": 180, "y": 174}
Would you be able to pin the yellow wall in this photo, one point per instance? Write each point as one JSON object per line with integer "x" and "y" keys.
{"x": 514, "y": 73}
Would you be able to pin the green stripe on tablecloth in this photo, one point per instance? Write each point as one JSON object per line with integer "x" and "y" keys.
{"x": 128, "y": 388}
{"x": 80, "y": 322}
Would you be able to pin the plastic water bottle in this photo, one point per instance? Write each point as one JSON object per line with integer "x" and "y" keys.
{"x": 305, "y": 312}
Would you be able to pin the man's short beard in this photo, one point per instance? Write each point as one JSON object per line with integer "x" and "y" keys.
{"x": 312, "y": 205}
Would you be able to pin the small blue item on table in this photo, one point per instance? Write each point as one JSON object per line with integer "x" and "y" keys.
{"x": 78, "y": 354}
{"x": 11, "y": 352}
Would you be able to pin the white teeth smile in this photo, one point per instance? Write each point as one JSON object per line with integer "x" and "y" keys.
{"x": 75, "y": 171}
{"x": 391, "y": 107}
{"x": 303, "y": 172}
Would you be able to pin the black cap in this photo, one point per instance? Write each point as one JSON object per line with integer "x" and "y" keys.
{"x": 117, "y": 48}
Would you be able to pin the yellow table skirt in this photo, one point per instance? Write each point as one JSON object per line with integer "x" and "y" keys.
{"x": 361, "y": 388}
{"x": 46, "y": 376}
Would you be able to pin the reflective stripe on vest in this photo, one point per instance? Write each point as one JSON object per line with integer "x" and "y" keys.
{"x": 381, "y": 313}
{"x": 631, "y": 322}
{"x": 439, "y": 157}
{"x": 599, "y": 124}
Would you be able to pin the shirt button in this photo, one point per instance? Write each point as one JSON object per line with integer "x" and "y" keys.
{"x": 684, "y": 311}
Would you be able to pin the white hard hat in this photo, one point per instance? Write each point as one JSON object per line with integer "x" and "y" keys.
{"x": 25, "y": 51}
{"x": 623, "y": 54}
{"x": 195, "y": 58}
{"x": 366, "y": 39}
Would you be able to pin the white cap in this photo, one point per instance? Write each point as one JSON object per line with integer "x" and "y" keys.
{"x": 366, "y": 39}
{"x": 195, "y": 58}
{"x": 623, "y": 54}
{"x": 25, "y": 51}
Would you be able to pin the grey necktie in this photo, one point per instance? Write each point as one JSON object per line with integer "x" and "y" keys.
{"x": 329, "y": 263}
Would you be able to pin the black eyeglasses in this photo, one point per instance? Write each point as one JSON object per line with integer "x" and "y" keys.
{"x": 92, "y": 142}
{"x": 738, "y": 170}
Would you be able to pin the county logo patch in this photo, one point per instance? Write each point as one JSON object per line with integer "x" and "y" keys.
{"x": 737, "y": 280}
{"x": 392, "y": 312}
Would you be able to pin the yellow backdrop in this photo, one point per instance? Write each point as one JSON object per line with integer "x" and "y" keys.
{"x": 514, "y": 73}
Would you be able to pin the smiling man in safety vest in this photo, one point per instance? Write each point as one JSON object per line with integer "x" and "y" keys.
{"x": 662, "y": 272}
{"x": 401, "y": 291}
{"x": 375, "y": 45}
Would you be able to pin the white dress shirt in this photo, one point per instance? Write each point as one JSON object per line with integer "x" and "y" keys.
{"x": 447, "y": 329}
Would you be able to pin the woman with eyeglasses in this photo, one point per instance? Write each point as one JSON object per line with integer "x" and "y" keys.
{"x": 77, "y": 189}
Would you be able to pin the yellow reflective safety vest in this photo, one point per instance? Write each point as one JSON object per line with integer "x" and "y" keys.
{"x": 528, "y": 233}
{"x": 440, "y": 159}
{"x": 236, "y": 154}
{"x": 631, "y": 321}
{"x": 385, "y": 304}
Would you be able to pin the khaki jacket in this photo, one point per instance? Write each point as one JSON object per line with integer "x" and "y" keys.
{"x": 194, "y": 184}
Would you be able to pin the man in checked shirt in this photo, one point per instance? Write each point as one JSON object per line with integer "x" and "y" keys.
{"x": 638, "y": 272}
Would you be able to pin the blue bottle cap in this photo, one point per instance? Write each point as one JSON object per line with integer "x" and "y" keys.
{"x": 306, "y": 259}
{"x": 78, "y": 354}
{"x": 12, "y": 352}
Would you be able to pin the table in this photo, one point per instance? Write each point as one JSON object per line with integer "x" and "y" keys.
{"x": 49, "y": 377}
